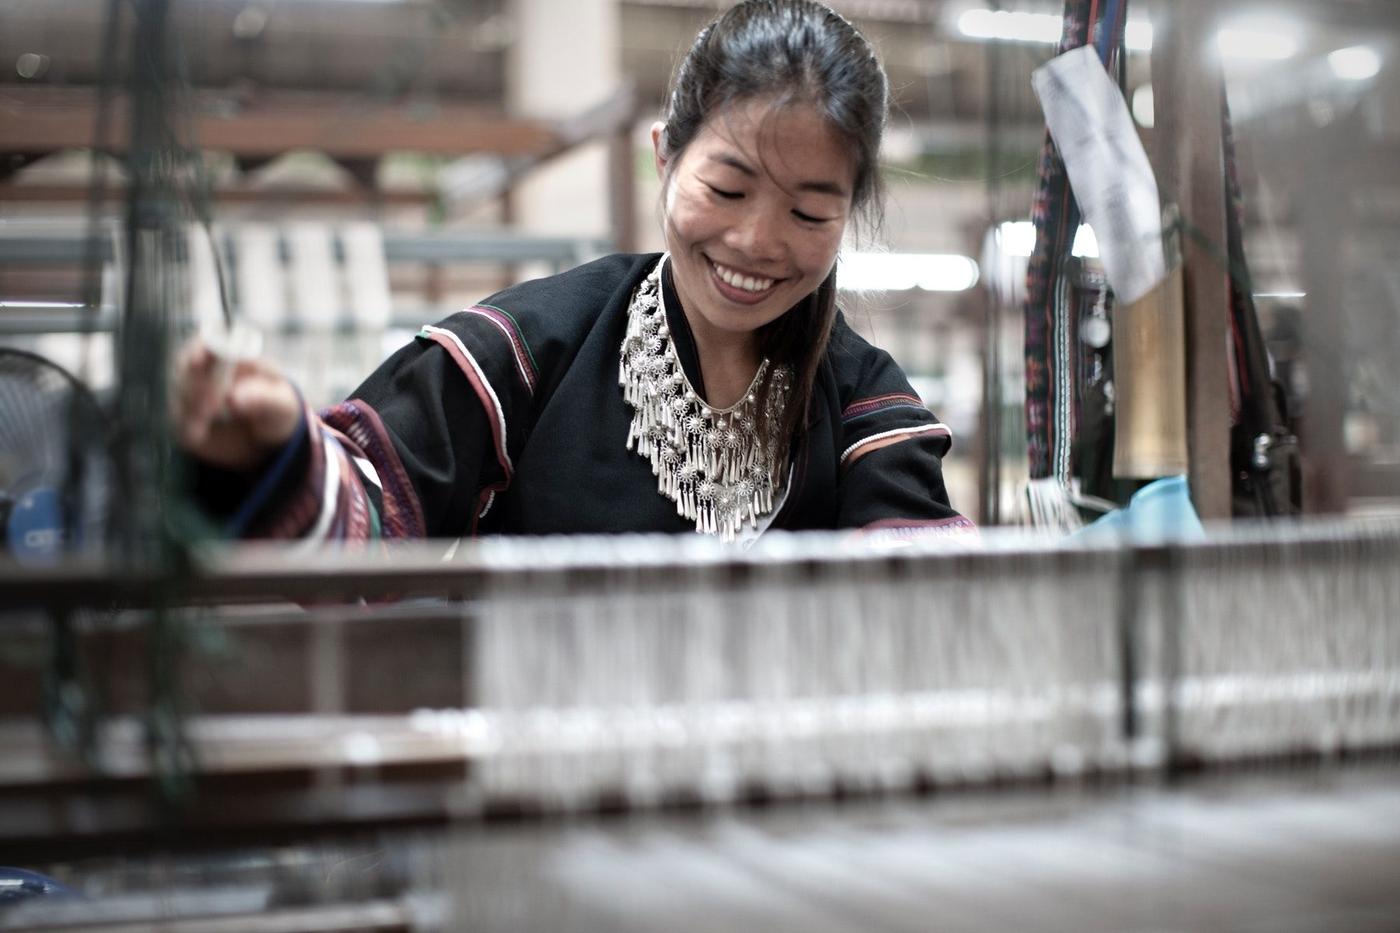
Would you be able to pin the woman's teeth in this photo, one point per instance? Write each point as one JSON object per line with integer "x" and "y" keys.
{"x": 747, "y": 282}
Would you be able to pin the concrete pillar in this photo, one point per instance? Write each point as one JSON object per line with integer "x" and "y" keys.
{"x": 565, "y": 59}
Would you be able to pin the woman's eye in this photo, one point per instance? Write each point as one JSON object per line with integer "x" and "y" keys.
{"x": 727, "y": 195}
{"x": 807, "y": 218}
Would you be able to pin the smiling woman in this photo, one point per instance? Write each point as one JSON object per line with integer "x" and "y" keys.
{"x": 715, "y": 388}
{"x": 755, "y": 212}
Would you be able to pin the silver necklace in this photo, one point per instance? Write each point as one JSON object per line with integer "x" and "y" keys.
{"x": 708, "y": 461}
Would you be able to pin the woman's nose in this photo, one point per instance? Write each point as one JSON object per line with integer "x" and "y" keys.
{"x": 755, "y": 235}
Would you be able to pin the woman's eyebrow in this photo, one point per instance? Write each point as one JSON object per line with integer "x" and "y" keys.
{"x": 819, "y": 187}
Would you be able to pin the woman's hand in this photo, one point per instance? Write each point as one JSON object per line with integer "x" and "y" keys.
{"x": 231, "y": 413}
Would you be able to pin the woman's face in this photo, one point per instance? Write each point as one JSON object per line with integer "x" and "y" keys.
{"x": 754, "y": 214}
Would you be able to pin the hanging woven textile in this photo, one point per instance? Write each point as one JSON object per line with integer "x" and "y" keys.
{"x": 1052, "y": 346}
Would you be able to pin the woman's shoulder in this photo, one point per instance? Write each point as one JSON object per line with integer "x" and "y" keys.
{"x": 577, "y": 294}
{"x": 584, "y": 285}
{"x": 874, "y": 396}
{"x": 859, "y": 366}
{"x": 588, "y": 287}
{"x": 540, "y": 319}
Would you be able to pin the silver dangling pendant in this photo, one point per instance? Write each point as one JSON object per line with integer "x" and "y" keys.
{"x": 709, "y": 462}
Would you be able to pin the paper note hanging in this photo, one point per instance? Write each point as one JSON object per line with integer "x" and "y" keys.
{"x": 1107, "y": 166}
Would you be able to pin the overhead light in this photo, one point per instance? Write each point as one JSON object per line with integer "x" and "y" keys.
{"x": 1012, "y": 26}
{"x": 931, "y": 272}
{"x": 1137, "y": 35}
{"x": 1018, "y": 239}
{"x": 1357, "y": 63}
{"x": 38, "y": 305}
{"x": 1260, "y": 40}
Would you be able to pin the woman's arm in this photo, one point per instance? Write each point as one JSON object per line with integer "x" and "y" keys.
{"x": 404, "y": 457}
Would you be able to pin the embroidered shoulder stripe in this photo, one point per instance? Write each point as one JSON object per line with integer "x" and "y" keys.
{"x": 868, "y": 406}
{"x": 524, "y": 359}
{"x": 477, "y": 377}
{"x": 942, "y": 429}
{"x": 516, "y": 327}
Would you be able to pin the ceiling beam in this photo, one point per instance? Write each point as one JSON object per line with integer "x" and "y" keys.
{"x": 283, "y": 197}
{"x": 42, "y": 120}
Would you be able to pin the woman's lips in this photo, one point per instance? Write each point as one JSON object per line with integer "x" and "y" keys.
{"x": 734, "y": 293}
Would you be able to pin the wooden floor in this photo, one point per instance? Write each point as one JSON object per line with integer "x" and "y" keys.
{"x": 1303, "y": 852}
{"x": 1315, "y": 849}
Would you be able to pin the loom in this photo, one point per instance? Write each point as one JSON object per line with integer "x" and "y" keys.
{"x": 592, "y": 696}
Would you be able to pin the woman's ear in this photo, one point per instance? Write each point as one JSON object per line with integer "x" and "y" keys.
{"x": 658, "y": 137}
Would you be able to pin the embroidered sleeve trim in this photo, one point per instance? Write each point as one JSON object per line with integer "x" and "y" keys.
{"x": 524, "y": 359}
{"x": 939, "y": 428}
{"x": 330, "y": 493}
{"x": 353, "y": 519}
{"x": 477, "y": 377}
{"x": 916, "y": 528}
{"x": 403, "y": 513}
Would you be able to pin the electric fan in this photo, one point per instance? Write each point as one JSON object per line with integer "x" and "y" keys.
{"x": 53, "y": 460}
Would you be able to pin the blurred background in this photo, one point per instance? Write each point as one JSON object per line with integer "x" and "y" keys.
{"x": 372, "y": 165}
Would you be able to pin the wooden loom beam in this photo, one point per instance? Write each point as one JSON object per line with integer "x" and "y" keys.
{"x": 1189, "y": 162}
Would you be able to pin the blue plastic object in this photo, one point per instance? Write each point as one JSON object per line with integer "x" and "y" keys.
{"x": 21, "y": 884}
{"x": 35, "y": 528}
{"x": 1161, "y": 510}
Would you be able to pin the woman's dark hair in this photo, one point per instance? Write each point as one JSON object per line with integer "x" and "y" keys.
{"x": 792, "y": 51}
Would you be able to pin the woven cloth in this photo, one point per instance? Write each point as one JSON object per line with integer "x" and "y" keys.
{"x": 1051, "y": 347}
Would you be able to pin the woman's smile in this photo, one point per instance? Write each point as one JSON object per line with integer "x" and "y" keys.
{"x": 738, "y": 286}
{"x": 755, "y": 211}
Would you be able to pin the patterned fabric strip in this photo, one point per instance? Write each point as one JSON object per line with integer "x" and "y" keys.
{"x": 937, "y": 429}
{"x": 1049, "y": 347}
{"x": 362, "y": 428}
{"x": 524, "y": 359}
{"x": 354, "y": 522}
{"x": 868, "y": 406}
{"x": 911, "y": 528}
{"x": 477, "y": 377}
{"x": 333, "y": 489}
{"x": 330, "y": 502}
